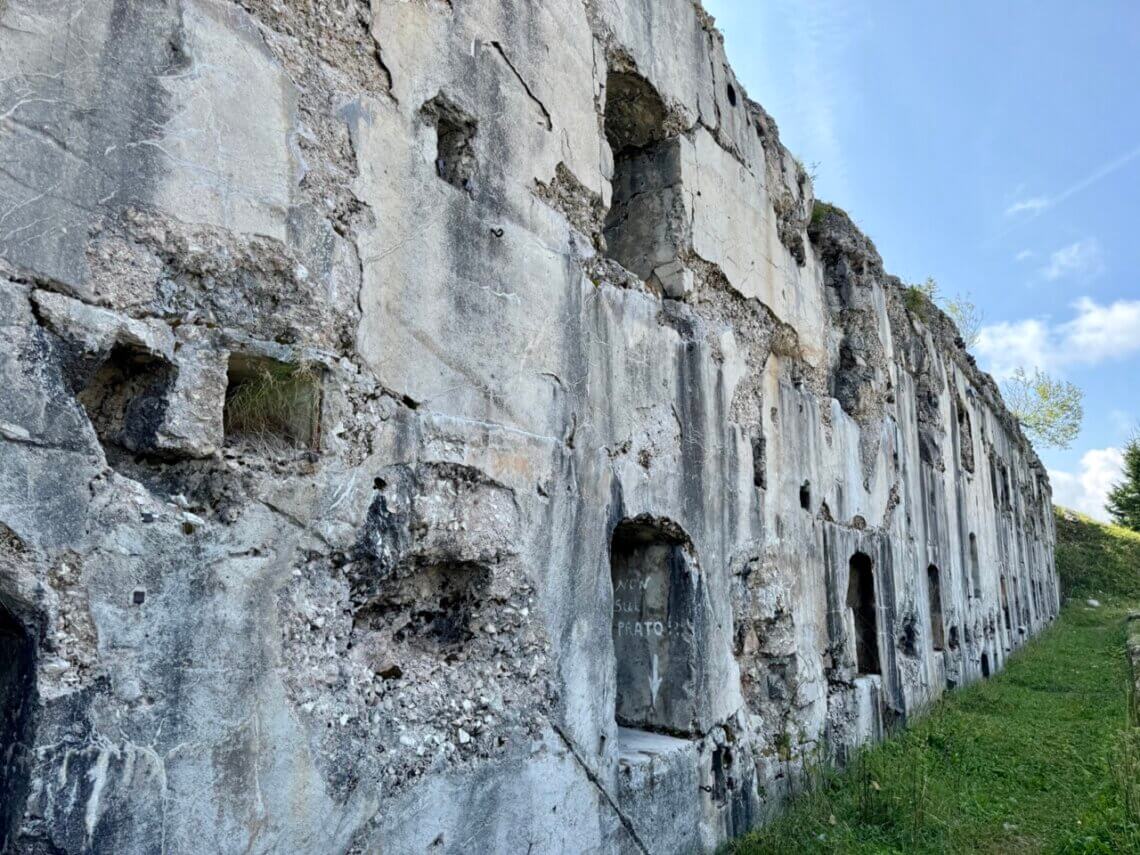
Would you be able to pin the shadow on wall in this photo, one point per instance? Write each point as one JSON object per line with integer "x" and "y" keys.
{"x": 17, "y": 701}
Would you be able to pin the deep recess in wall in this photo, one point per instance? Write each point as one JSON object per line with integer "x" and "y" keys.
{"x": 975, "y": 570}
{"x": 934, "y": 591}
{"x": 861, "y": 601}
{"x": 1005, "y": 613}
{"x": 965, "y": 437}
{"x": 125, "y": 398}
{"x": 653, "y": 617}
{"x": 455, "y": 134}
{"x": 647, "y": 175}
{"x": 271, "y": 404}
{"x": 759, "y": 462}
{"x": 17, "y": 700}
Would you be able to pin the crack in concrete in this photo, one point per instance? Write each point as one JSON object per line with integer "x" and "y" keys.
{"x": 593, "y": 778}
{"x": 526, "y": 87}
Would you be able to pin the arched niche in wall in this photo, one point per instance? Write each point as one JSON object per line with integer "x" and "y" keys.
{"x": 934, "y": 595}
{"x": 641, "y": 224}
{"x": 863, "y": 613}
{"x": 656, "y": 622}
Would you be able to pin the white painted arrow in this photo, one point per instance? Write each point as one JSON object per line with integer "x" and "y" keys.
{"x": 654, "y": 681}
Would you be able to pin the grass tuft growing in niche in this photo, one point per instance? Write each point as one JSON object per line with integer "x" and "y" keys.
{"x": 271, "y": 404}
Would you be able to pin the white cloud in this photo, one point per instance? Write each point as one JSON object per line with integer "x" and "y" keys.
{"x": 1007, "y": 346}
{"x": 1096, "y": 333}
{"x": 1100, "y": 332}
{"x": 1086, "y": 490}
{"x": 1024, "y": 255}
{"x": 1036, "y": 204}
{"x": 1033, "y": 205}
{"x": 1082, "y": 259}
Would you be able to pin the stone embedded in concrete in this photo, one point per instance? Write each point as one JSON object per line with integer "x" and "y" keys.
{"x": 450, "y": 427}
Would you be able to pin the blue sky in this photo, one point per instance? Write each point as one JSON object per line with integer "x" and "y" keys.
{"x": 994, "y": 146}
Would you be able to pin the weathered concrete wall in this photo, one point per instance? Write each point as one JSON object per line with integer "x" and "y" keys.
{"x": 453, "y": 427}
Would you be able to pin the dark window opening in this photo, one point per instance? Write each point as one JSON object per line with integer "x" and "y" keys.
{"x": 934, "y": 592}
{"x": 759, "y": 463}
{"x": 17, "y": 703}
{"x": 965, "y": 438}
{"x": 953, "y": 638}
{"x": 805, "y": 495}
{"x": 723, "y": 782}
{"x": 985, "y": 665}
{"x": 731, "y": 92}
{"x": 126, "y": 398}
{"x": 908, "y": 638}
{"x": 654, "y": 625}
{"x": 975, "y": 570}
{"x": 1005, "y": 605}
{"x": 271, "y": 404}
{"x": 645, "y": 223}
{"x": 454, "y": 133}
{"x": 861, "y": 601}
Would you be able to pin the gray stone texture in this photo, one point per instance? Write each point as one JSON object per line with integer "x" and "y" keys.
{"x": 448, "y": 427}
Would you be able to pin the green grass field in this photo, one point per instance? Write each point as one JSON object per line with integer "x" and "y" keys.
{"x": 1037, "y": 759}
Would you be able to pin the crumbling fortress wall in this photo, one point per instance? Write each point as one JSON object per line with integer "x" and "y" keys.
{"x": 453, "y": 426}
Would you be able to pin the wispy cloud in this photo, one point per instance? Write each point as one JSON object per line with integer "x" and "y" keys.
{"x": 1082, "y": 259}
{"x": 1087, "y": 490}
{"x": 805, "y": 80}
{"x": 1024, "y": 255}
{"x": 1096, "y": 333}
{"x": 1035, "y": 205}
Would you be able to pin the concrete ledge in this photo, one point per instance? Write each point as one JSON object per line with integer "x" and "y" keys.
{"x": 658, "y": 785}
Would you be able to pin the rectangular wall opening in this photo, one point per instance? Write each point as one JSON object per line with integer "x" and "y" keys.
{"x": 975, "y": 570}
{"x": 934, "y": 593}
{"x": 126, "y": 397}
{"x": 270, "y": 404}
{"x": 861, "y": 602}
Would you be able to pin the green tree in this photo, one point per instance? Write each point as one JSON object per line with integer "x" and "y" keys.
{"x": 966, "y": 316}
{"x": 917, "y": 296}
{"x": 961, "y": 308}
{"x": 1124, "y": 498}
{"x": 1050, "y": 411}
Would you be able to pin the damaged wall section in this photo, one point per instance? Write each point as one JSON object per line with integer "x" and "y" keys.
{"x": 460, "y": 425}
